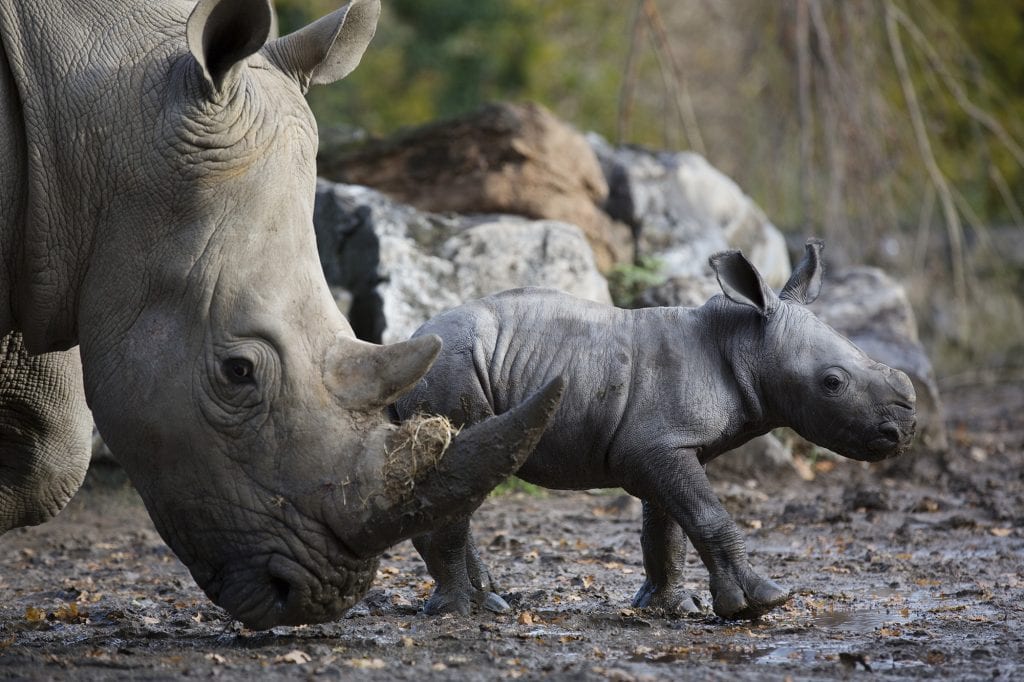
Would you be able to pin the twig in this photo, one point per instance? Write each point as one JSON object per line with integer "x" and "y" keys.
{"x": 625, "y": 113}
{"x": 1004, "y": 189}
{"x": 970, "y": 108}
{"x": 681, "y": 91}
{"x": 924, "y": 228}
{"x": 953, "y": 226}
{"x": 834, "y": 145}
{"x": 805, "y": 117}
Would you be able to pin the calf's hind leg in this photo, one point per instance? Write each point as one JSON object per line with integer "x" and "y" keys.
{"x": 664, "y": 548}
{"x": 461, "y": 578}
{"x": 675, "y": 480}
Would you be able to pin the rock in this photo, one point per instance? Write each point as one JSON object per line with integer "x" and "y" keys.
{"x": 402, "y": 266}
{"x": 872, "y": 310}
{"x": 503, "y": 158}
{"x": 764, "y": 458}
{"x": 682, "y": 210}
{"x": 689, "y": 291}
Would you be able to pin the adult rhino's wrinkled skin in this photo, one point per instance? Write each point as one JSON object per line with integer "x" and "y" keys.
{"x": 156, "y": 193}
{"x": 651, "y": 396}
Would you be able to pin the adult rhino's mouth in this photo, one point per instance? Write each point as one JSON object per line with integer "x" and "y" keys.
{"x": 273, "y": 590}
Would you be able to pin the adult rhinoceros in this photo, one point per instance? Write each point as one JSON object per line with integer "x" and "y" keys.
{"x": 156, "y": 188}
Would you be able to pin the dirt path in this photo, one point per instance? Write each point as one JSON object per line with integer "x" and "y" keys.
{"x": 906, "y": 576}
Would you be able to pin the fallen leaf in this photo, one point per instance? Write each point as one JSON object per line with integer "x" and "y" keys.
{"x": 1000, "y": 532}
{"x": 70, "y": 613}
{"x": 34, "y": 615}
{"x": 366, "y": 663}
{"x": 823, "y": 466}
{"x": 216, "y": 658}
{"x": 294, "y": 656}
{"x": 525, "y": 618}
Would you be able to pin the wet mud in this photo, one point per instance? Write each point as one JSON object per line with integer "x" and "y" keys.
{"x": 906, "y": 570}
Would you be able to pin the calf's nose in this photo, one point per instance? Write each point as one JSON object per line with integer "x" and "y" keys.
{"x": 900, "y": 383}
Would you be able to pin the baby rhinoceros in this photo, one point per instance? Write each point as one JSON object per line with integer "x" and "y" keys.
{"x": 651, "y": 396}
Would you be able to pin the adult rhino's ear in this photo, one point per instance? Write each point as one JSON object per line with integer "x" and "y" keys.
{"x": 222, "y": 33}
{"x": 805, "y": 282}
{"x": 742, "y": 283}
{"x": 330, "y": 48}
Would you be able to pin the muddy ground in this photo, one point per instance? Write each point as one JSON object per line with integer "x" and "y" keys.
{"x": 899, "y": 572}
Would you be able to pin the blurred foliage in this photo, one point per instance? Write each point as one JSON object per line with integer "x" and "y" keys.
{"x": 737, "y": 62}
{"x": 803, "y": 102}
{"x": 513, "y": 485}
{"x": 626, "y": 281}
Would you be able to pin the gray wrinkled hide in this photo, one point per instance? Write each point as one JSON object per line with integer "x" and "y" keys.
{"x": 652, "y": 395}
{"x": 403, "y": 266}
{"x": 49, "y": 388}
{"x": 156, "y": 201}
{"x": 683, "y": 210}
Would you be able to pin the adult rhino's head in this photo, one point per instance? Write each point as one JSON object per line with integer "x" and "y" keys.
{"x": 218, "y": 366}
{"x": 807, "y": 375}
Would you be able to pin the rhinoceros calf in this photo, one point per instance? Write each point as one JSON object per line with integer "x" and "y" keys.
{"x": 157, "y": 176}
{"x": 651, "y": 396}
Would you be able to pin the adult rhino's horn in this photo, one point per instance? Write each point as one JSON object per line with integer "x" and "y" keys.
{"x": 365, "y": 376}
{"x": 480, "y": 457}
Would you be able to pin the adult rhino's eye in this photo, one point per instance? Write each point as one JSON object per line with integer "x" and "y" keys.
{"x": 238, "y": 371}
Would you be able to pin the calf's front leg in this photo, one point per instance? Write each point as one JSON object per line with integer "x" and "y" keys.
{"x": 664, "y": 548}
{"x": 675, "y": 480}
{"x": 460, "y": 576}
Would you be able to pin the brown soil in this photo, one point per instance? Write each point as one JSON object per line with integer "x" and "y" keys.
{"x": 910, "y": 571}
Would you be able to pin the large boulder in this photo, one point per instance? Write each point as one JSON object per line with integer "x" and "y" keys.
{"x": 503, "y": 158}
{"x": 682, "y": 210}
{"x": 396, "y": 266}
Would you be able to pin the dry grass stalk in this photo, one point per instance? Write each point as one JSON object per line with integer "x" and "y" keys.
{"x": 415, "y": 449}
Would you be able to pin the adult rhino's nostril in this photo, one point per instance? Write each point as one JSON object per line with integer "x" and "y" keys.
{"x": 281, "y": 589}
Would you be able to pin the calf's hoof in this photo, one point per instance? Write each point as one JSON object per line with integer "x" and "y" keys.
{"x": 747, "y": 598}
{"x": 675, "y": 601}
{"x": 460, "y": 602}
{"x": 492, "y": 602}
{"x": 454, "y": 601}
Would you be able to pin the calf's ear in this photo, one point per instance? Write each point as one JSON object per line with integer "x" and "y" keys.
{"x": 330, "y": 48}
{"x": 742, "y": 283}
{"x": 805, "y": 282}
{"x": 222, "y": 33}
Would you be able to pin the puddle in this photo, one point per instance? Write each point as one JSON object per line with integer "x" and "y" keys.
{"x": 861, "y": 621}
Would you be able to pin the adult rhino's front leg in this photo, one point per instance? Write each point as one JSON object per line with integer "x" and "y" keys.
{"x": 45, "y": 433}
{"x": 676, "y": 481}
{"x": 664, "y": 548}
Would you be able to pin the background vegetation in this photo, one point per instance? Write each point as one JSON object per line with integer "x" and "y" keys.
{"x": 893, "y": 128}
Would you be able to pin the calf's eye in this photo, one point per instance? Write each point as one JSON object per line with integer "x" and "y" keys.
{"x": 833, "y": 382}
